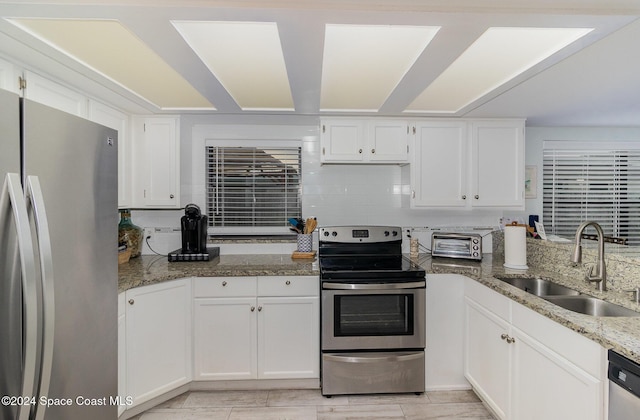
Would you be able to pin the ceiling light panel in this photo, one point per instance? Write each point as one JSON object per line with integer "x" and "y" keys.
{"x": 247, "y": 59}
{"x": 363, "y": 64}
{"x": 108, "y": 48}
{"x": 497, "y": 56}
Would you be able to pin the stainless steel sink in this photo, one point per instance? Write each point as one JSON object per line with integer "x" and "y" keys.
{"x": 538, "y": 287}
{"x": 590, "y": 306}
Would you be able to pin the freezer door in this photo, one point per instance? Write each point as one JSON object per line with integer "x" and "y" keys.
{"x": 75, "y": 161}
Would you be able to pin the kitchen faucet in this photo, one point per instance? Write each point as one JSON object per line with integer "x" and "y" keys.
{"x": 600, "y": 269}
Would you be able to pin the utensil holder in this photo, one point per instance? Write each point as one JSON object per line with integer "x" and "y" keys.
{"x": 304, "y": 242}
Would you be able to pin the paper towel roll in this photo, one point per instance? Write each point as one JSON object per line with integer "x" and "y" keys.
{"x": 515, "y": 247}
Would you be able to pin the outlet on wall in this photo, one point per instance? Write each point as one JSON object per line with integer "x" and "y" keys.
{"x": 148, "y": 233}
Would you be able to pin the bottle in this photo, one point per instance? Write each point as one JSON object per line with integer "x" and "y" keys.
{"x": 129, "y": 234}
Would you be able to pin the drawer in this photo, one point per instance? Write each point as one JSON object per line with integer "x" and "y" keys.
{"x": 288, "y": 286}
{"x": 224, "y": 287}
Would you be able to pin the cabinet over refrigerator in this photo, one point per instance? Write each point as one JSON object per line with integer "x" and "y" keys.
{"x": 58, "y": 264}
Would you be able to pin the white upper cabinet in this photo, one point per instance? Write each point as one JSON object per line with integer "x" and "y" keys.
{"x": 439, "y": 165}
{"x": 44, "y": 91}
{"x": 8, "y": 77}
{"x": 156, "y": 162}
{"x": 388, "y": 141}
{"x": 468, "y": 164}
{"x": 364, "y": 141}
{"x": 497, "y": 165}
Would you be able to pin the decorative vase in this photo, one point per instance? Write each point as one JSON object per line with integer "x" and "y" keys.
{"x": 129, "y": 234}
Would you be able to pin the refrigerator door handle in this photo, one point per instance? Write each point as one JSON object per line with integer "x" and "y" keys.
{"x": 12, "y": 201}
{"x": 36, "y": 207}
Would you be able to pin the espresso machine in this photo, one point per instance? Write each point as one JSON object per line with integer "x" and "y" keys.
{"x": 194, "y": 237}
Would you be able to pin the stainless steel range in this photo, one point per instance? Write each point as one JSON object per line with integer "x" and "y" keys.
{"x": 373, "y": 312}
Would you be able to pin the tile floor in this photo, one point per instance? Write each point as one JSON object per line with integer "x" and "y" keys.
{"x": 310, "y": 404}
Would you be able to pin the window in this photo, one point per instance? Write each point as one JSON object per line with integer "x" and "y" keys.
{"x": 252, "y": 189}
{"x": 599, "y": 182}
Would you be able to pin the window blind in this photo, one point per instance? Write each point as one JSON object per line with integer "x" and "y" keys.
{"x": 592, "y": 184}
{"x": 250, "y": 187}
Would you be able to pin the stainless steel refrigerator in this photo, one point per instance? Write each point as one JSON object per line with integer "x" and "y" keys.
{"x": 58, "y": 264}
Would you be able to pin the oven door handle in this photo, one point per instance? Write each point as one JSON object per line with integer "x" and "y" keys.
{"x": 373, "y": 359}
{"x": 375, "y": 286}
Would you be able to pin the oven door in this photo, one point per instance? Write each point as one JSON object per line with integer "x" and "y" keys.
{"x": 373, "y": 316}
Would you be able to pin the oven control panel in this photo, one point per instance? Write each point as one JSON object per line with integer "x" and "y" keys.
{"x": 346, "y": 234}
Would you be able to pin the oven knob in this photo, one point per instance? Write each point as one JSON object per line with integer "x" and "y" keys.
{"x": 334, "y": 233}
{"x": 475, "y": 247}
{"x": 386, "y": 233}
{"x": 475, "y": 254}
{"x": 326, "y": 233}
{"x": 475, "y": 241}
{"x": 395, "y": 233}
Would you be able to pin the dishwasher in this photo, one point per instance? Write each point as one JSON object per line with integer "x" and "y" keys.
{"x": 624, "y": 388}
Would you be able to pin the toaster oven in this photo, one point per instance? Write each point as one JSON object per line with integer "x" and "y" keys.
{"x": 456, "y": 245}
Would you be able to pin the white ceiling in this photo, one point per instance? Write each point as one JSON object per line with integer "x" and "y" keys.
{"x": 594, "y": 81}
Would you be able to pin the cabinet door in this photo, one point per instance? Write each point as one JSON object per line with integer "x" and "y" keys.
{"x": 158, "y": 339}
{"x": 225, "y": 334}
{"x": 439, "y": 167}
{"x": 548, "y": 386}
{"x": 288, "y": 337}
{"x": 54, "y": 95}
{"x": 498, "y": 164}
{"x": 388, "y": 141}
{"x": 488, "y": 357}
{"x": 160, "y": 163}
{"x": 342, "y": 141}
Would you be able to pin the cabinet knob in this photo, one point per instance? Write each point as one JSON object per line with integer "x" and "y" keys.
{"x": 476, "y": 196}
{"x": 131, "y": 301}
{"x": 288, "y": 282}
{"x": 373, "y": 150}
{"x": 464, "y": 197}
{"x": 359, "y": 150}
{"x": 504, "y": 336}
{"x": 253, "y": 308}
{"x": 224, "y": 283}
{"x": 259, "y": 308}
{"x": 511, "y": 340}
{"x": 171, "y": 196}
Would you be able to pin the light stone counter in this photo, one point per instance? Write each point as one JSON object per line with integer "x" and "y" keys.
{"x": 621, "y": 334}
{"x": 545, "y": 260}
{"x": 146, "y": 269}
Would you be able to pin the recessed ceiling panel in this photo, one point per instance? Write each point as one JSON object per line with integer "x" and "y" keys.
{"x": 497, "y": 56}
{"x": 247, "y": 59}
{"x": 363, "y": 64}
{"x": 110, "y": 49}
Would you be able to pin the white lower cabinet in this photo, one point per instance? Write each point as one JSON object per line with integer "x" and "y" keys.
{"x": 256, "y": 328}
{"x": 525, "y": 366}
{"x": 158, "y": 338}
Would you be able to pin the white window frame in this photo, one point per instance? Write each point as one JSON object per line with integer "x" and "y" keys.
{"x": 250, "y": 135}
{"x": 610, "y": 188}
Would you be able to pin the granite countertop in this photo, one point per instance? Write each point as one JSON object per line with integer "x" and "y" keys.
{"x": 621, "y": 334}
{"x": 146, "y": 269}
